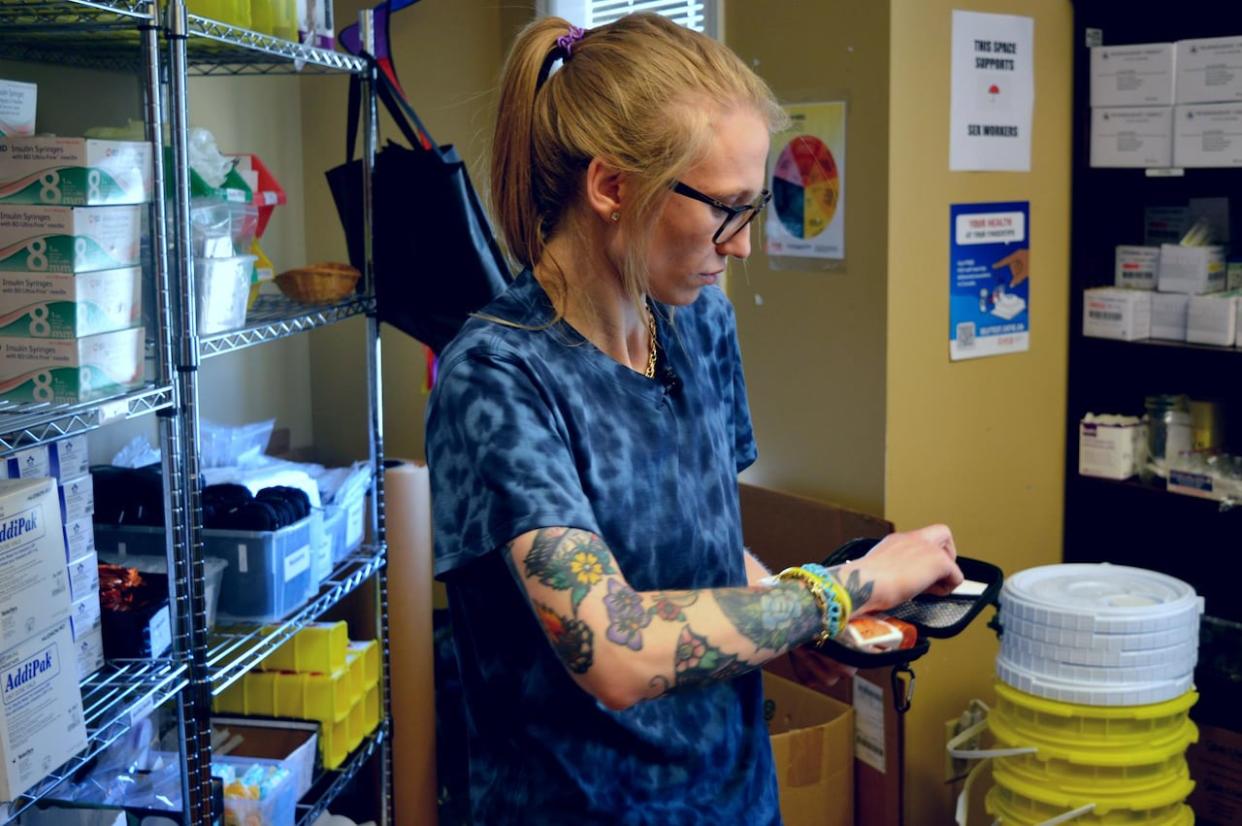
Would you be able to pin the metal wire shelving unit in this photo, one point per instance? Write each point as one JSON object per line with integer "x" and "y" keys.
{"x": 165, "y": 45}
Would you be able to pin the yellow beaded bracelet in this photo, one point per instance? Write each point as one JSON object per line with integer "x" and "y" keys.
{"x": 827, "y": 594}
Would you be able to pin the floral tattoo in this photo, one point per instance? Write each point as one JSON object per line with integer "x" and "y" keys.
{"x": 775, "y": 618}
{"x": 572, "y": 639}
{"x": 696, "y": 660}
{"x": 626, "y": 615}
{"x": 569, "y": 560}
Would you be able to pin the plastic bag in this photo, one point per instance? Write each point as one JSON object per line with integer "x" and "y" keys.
{"x": 206, "y": 158}
{"x": 138, "y": 452}
{"x": 229, "y": 446}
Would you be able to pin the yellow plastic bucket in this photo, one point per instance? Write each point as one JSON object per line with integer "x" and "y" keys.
{"x": 1079, "y": 726}
{"x": 1010, "y": 810}
{"x": 1037, "y": 799}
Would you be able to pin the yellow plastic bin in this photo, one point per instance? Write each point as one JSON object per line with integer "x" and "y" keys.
{"x": 371, "y": 708}
{"x": 1029, "y": 799}
{"x": 999, "y": 804}
{"x": 356, "y": 665}
{"x": 261, "y": 694}
{"x": 322, "y": 697}
{"x": 278, "y": 18}
{"x": 370, "y": 651}
{"x": 318, "y": 648}
{"x": 1079, "y": 726}
{"x": 334, "y": 743}
{"x": 357, "y": 723}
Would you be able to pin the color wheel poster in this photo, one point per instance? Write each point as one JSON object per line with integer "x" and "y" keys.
{"x": 989, "y": 286}
{"x": 806, "y": 218}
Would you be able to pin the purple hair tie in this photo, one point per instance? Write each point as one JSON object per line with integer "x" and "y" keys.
{"x": 567, "y": 41}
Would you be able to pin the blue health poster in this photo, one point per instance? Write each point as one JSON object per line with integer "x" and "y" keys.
{"x": 989, "y": 286}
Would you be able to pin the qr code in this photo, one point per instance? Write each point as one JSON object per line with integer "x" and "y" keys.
{"x": 966, "y": 334}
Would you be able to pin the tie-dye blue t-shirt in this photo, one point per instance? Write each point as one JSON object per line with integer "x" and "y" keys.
{"x": 538, "y": 428}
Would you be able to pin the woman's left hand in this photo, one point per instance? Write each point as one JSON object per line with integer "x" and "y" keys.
{"x": 817, "y": 669}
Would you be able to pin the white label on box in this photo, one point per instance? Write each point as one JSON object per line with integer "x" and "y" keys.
{"x": 869, "y": 723}
{"x": 1212, "y": 319}
{"x": 90, "y": 653}
{"x": 17, "y": 108}
{"x": 69, "y": 458}
{"x": 85, "y": 615}
{"x": 41, "y": 722}
{"x": 1168, "y": 316}
{"x": 1140, "y": 75}
{"x": 77, "y": 498}
{"x": 1191, "y": 270}
{"x": 1208, "y": 135}
{"x": 29, "y": 464}
{"x": 80, "y": 538}
{"x": 243, "y": 558}
{"x": 297, "y": 562}
{"x": 1108, "y": 451}
{"x": 354, "y": 526}
{"x": 159, "y": 628}
{"x": 1136, "y": 267}
{"x": 1209, "y": 69}
{"x": 1165, "y": 225}
{"x": 1132, "y": 137}
{"x": 34, "y": 585}
{"x": 84, "y": 576}
{"x": 1110, "y": 312}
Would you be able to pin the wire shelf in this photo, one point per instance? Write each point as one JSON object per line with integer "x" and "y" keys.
{"x": 236, "y": 650}
{"x": 329, "y": 785}
{"x": 70, "y": 14}
{"x": 216, "y": 48}
{"x": 113, "y": 699}
{"x": 31, "y": 424}
{"x": 274, "y": 316}
{"x": 101, "y": 34}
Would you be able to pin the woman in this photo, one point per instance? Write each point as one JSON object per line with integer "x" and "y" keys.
{"x": 585, "y": 438}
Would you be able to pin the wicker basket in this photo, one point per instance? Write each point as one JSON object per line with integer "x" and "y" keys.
{"x": 319, "y": 283}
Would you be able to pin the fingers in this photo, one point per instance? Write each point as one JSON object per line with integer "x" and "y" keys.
{"x": 940, "y": 536}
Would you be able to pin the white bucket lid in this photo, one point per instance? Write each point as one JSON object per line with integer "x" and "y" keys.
{"x": 1182, "y": 633}
{"x": 1139, "y": 694}
{"x": 1013, "y": 641}
{"x": 1114, "y": 675}
{"x": 1111, "y": 599}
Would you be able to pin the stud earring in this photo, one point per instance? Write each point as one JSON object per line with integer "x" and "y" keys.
{"x": 616, "y": 216}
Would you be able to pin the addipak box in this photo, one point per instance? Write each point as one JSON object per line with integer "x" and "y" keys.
{"x": 34, "y": 585}
{"x": 41, "y": 723}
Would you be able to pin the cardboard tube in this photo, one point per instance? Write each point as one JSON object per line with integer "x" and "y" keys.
{"x": 407, "y": 496}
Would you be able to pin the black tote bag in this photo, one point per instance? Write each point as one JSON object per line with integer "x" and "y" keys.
{"x": 436, "y": 259}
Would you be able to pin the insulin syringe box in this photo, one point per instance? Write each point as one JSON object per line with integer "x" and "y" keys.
{"x": 70, "y": 370}
{"x": 69, "y": 239}
{"x": 17, "y": 108}
{"x": 41, "y": 721}
{"x": 34, "y": 583}
{"x": 75, "y": 171}
{"x": 68, "y": 305}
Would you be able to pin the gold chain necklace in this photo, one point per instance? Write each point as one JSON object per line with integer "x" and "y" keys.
{"x": 651, "y": 332}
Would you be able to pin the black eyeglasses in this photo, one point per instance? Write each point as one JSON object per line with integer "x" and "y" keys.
{"x": 737, "y": 218}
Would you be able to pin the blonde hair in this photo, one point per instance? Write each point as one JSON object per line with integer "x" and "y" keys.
{"x": 640, "y": 93}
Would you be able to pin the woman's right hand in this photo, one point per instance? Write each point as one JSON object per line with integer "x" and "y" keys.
{"x": 901, "y": 567}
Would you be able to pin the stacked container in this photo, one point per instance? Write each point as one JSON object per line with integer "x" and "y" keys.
{"x": 1095, "y": 672}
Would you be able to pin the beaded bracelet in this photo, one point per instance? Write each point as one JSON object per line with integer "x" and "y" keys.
{"x": 830, "y": 597}
{"x": 831, "y": 583}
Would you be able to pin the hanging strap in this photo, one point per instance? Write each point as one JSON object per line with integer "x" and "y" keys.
{"x": 398, "y": 107}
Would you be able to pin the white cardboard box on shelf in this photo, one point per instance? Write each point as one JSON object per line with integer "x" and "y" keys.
{"x": 1209, "y": 70}
{"x": 1111, "y": 312}
{"x": 1168, "y": 316}
{"x": 1213, "y": 319}
{"x": 85, "y": 615}
{"x": 41, "y": 721}
{"x": 32, "y": 463}
{"x": 75, "y": 171}
{"x": 77, "y": 498}
{"x": 1233, "y": 277}
{"x": 1191, "y": 270}
{"x": 84, "y": 576}
{"x": 1136, "y": 136}
{"x": 70, "y": 370}
{"x": 79, "y": 537}
{"x": 90, "y": 653}
{"x": 69, "y": 239}
{"x": 70, "y": 305}
{"x": 1207, "y": 135}
{"x": 34, "y": 585}
{"x": 1165, "y": 224}
{"x": 69, "y": 458}
{"x": 17, "y": 108}
{"x": 1110, "y": 447}
{"x": 1137, "y": 75}
{"x": 1136, "y": 267}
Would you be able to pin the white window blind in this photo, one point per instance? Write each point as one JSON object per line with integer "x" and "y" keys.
{"x": 700, "y": 15}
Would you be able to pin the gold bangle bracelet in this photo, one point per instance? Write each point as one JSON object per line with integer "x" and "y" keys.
{"x": 815, "y": 586}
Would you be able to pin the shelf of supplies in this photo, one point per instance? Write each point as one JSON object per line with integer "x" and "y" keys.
{"x": 1156, "y": 490}
{"x": 1162, "y": 344}
{"x": 216, "y": 48}
{"x": 330, "y": 784}
{"x": 113, "y": 699}
{"x": 31, "y": 424}
{"x": 237, "y": 649}
{"x": 66, "y": 15}
{"x": 274, "y": 316}
{"x": 101, "y": 34}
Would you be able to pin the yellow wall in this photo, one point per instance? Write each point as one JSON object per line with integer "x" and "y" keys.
{"x": 976, "y": 444}
{"x": 814, "y": 348}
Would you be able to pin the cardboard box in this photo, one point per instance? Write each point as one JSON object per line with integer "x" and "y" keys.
{"x": 75, "y": 172}
{"x": 1111, "y": 312}
{"x": 1165, "y": 225}
{"x": 77, "y": 499}
{"x": 1110, "y": 447}
{"x": 90, "y": 653}
{"x": 1216, "y": 767}
{"x": 84, "y": 576}
{"x": 1168, "y": 316}
{"x": 71, "y": 370}
{"x": 1140, "y": 136}
{"x": 813, "y": 749}
{"x": 1138, "y": 75}
{"x": 85, "y": 615}
{"x": 1208, "y": 135}
{"x": 32, "y": 463}
{"x": 1136, "y": 267}
{"x": 69, "y": 458}
{"x": 1209, "y": 70}
{"x": 61, "y": 239}
{"x": 1213, "y": 319}
{"x": 41, "y": 723}
{"x": 80, "y": 535}
{"x": 34, "y": 585}
{"x": 17, "y": 108}
{"x": 67, "y": 305}
{"x": 294, "y": 743}
{"x": 1191, "y": 270}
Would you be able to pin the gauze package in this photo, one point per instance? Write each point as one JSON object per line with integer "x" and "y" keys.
{"x": 69, "y": 239}
{"x": 74, "y": 171}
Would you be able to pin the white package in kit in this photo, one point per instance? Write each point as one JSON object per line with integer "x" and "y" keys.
{"x": 1138, "y": 75}
{"x": 31, "y": 463}
{"x": 1168, "y": 316}
{"x": 1165, "y": 225}
{"x": 85, "y": 615}
{"x": 77, "y": 498}
{"x": 69, "y": 458}
{"x": 1111, "y": 312}
{"x": 34, "y": 585}
{"x": 1136, "y": 267}
{"x": 41, "y": 723}
{"x": 1191, "y": 270}
{"x": 17, "y": 108}
{"x": 75, "y": 171}
{"x": 70, "y": 370}
{"x": 1212, "y": 319}
{"x": 1208, "y": 135}
{"x": 90, "y": 653}
{"x": 84, "y": 576}
{"x": 1137, "y": 136}
{"x": 1110, "y": 447}
{"x": 70, "y": 305}
{"x": 1209, "y": 70}
{"x": 79, "y": 537}
{"x": 69, "y": 239}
